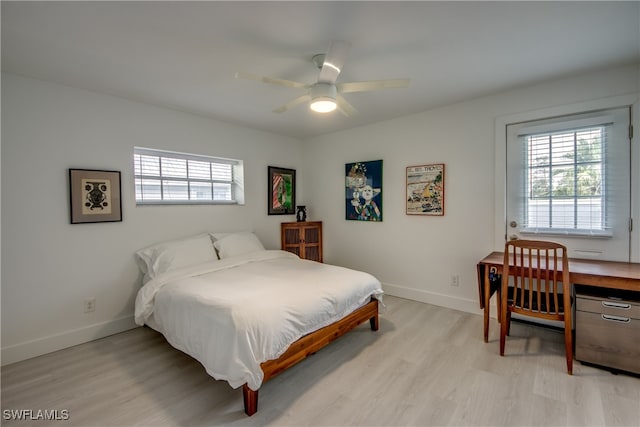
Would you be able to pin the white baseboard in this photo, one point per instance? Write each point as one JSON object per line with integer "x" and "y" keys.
{"x": 455, "y": 303}
{"x": 461, "y": 304}
{"x": 28, "y": 349}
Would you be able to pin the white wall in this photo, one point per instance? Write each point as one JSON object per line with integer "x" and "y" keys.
{"x": 50, "y": 266}
{"x": 414, "y": 256}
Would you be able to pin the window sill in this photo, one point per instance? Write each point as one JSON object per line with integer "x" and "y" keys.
{"x": 588, "y": 234}
{"x": 184, "y": 202}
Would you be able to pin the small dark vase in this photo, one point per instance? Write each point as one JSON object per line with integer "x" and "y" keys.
{"x": 301, "y": 214}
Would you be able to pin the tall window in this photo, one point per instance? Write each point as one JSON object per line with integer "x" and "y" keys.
{"x": 164, "y": 177}
{"x": 565, "y": 180}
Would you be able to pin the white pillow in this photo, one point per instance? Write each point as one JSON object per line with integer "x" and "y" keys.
{"x": 218, "y": 236}
{"x": 167, "y": 256}
{"x": 237, "y": 244}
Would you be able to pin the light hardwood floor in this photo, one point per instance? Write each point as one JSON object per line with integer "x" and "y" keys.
{"x": 426, "y": 366}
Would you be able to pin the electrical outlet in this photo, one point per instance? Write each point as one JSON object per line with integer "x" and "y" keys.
{"x": 90, "y": 305}
{"x": 455, "y": 280}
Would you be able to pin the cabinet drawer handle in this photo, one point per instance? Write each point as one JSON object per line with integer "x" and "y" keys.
{"x": 616, "y": 305}
{"x": 616, "y": 318}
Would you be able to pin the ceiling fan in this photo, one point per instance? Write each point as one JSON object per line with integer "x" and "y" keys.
{"x": 326, "y": 95}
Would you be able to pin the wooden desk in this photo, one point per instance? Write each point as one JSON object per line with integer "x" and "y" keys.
{"x": 602, "y": 274}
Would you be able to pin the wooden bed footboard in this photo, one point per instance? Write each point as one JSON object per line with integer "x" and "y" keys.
{"x": 309, "y": 344}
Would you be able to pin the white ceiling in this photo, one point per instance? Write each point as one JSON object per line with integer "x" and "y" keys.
{"x": 184, "y": 55}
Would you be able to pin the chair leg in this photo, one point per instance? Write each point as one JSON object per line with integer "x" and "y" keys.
{"x": 568, "y": 344}
{"x": 508, "y": 323}
{"x": 505, "y": 320}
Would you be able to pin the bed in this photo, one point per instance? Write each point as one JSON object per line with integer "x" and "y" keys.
{"x": 247, "y": 313}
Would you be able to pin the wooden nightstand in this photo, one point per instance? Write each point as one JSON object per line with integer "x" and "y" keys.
{"x": 303, "y": 239}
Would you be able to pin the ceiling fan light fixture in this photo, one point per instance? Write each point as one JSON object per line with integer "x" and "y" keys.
{"x": 323, "y": 97}
{"x": 323, "y": 104}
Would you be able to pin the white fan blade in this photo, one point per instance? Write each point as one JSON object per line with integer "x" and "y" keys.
{"x": 344, "y": 107}
{"x": 270, "y": 80}
{"x": 372, "y": 85}
{"x": 289, "y": 105}
{"x": 334, "y": 61}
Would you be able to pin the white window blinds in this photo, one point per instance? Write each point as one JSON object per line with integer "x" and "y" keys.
{"x": 566, "y": 183}
{"x": 163, "y": 177}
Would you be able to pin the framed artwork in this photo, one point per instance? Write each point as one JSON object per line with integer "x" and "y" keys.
{"x": 94, "y": 196}
{"x": 363, "y": 191}
{"x": 425, "y": 190}
{"x": 282, "y": 191}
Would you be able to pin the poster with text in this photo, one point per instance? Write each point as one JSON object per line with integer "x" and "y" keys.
{"x": 425, "y": 190}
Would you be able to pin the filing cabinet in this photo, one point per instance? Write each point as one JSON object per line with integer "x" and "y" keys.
{"x": 608, "y": 328}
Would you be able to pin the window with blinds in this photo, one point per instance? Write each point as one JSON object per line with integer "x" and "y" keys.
{"x": 568, "y": 179}
{"x": 164, "y": 177}
{"x": 566, "y": 184}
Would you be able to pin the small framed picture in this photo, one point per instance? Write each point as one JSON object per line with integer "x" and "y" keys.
{"x": 94, "y": 196}
{"x": 425, "y": 190}
{"x": 282, "y": 191}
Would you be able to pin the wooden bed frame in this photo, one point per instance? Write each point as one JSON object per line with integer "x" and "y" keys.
{"x": 308, "y": 345}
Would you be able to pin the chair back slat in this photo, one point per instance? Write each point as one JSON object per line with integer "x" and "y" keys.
{"x": 530, "y": 270}
{"x": 546, "y": 277}
{"x": 555, "y": 279}
{"x": 539, "y": 279}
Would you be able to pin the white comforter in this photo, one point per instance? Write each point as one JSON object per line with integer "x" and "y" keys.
{"x": 232, "y": 315}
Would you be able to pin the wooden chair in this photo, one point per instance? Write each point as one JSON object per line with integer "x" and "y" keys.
{"x": 535, "y": 282}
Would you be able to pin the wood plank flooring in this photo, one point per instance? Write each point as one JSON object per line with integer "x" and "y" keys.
{"x": 426, "y": 366}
